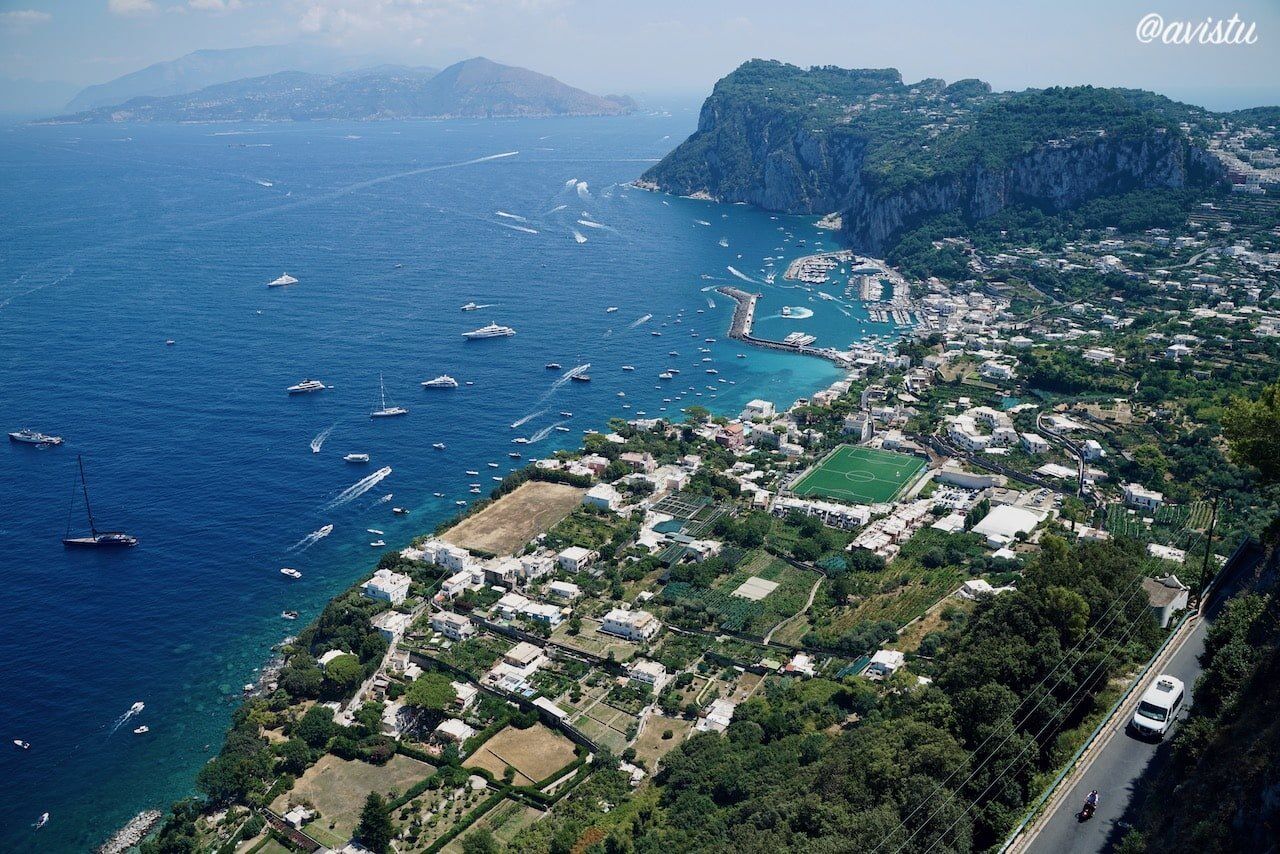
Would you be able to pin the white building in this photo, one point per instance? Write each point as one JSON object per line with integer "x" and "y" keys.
{"x": 859, "y": 425}
{"x": 453, "y": 730}
{"x": 387, "y": 586}
{"x": 603, "y": 496}
{"x": 391, "y": 625}
{"x": 576, "y": 558}
{"x": 565, "y": 590}
{"x": 1166, "y": 596}
{"x": 541, "y": 612}
{"x": 757, "y": 409}
{"x": 1034, "y": 443}
{"x": 717, "y": 717}
{"x": 1136, "y": 495}
{"x": 884, "y": 664}
{"x": 632, "y": 625}
{"x": 1005, "y": 522}
{"x": 1093, "y": 450}
{"x": 451, "y": 625}
{"x": 648, "y": 672}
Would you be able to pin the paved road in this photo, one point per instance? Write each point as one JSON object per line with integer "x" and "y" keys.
{"x": 1125, "y": 761}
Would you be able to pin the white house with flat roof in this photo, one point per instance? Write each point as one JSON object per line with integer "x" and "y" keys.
{"x": 387, "y": 586}
{"x": 757, "y": 409}
{"x": 603, "y": 496}
{"x": 1136, "y": 495}
{"x": 632, "y": 625}
{"x": 648, "y": 672}
{"x": 884, "y": 664}
{"x": 391, "y": 625}
{"x": 565, "y": 590}
{"x": 1005, "y": 522}
{"x": 576, "y": 558}
{"x": 1034, "y": 443}
{"x": 451, "y": 625}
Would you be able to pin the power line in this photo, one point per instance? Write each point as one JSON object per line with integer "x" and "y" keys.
{"x": 1009, "y": 718}
{"x": 1071, "y": 704}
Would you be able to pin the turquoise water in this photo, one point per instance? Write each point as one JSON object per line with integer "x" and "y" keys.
{"x": 114, "y": 239}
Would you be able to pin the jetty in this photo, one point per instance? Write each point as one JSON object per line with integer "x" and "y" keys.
{"x": 744, "y": 313}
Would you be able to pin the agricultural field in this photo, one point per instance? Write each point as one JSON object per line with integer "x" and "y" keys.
{"x": 516, "y": 518}
{"x": 338, "y": 787}
{"x": 752, "y": 616}
{"x": 504, "y": 821}
{"x": 604, "y": 724}
{"x": 535, "y": 753}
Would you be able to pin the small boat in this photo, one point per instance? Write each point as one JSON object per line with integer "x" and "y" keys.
{"x": 496, "y": 478}
{"x": 96, "y": 538}
{"x": 169, "y": 342}
{"x": 562, "y": 429}
{"x": 472, "y": 473}
{"x": 552, "y": 366}
{"x": 492, "y": 465}
{"x": 611, "y": 309}
{"x": 712, "y": 371}
{"x": 285, "y": 279}
{"x": 399, "y": 511}
{"x": 622, "y": 394}
{"x": 142, "y": 730}
{"x": 673, "y": 370}
{"x": 673, "y": 353}
{"x": 375, "y": 531}
{"x": 289, "y": 615}
{"x": 656, "y": 334}
{"x": 581, "y": 378}
{"x": 24, "y": 745}
{"x": 519, "y": 440}
{"x": 665, "y": 375}
{"x": 470, "y": 307}
{"x": 291, "y": 572}
{"x": 515, "y": 455}
{"x": 386, "y": 411}
{"x": 460, "y": 503}
{"x": 438, "y": 494}
{"x": 44, "y": 819}
{"x": 628, "y": 367}
{"x": 26, "y": 436}
{"x": 356, "y": 458}
{"x": 742, "y": 355}
{"x": 442, "y": 381}
{"x": 439, "y": 446}
{"x": 137, "y": 707}
{"x": 565, "y": 414}
{"x": 377, "y": 544}
{"x": 306, "y": 387}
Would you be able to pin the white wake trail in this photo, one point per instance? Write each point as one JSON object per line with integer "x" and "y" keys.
{"x": 311, "y": 539}
{"x": 639, "y": 320}
{"x": 318, "y": 442}
{"x": 360, "y": 487}
{"x": 526, "y": 419}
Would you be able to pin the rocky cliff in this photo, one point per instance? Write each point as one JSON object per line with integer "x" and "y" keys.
{"x": 887, "y": 155}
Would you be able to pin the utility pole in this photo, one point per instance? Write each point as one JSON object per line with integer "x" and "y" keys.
{"x": 1208, "y": 552}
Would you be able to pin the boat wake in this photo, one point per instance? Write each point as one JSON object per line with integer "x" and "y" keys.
{"x": 59, "y": 280}
{"x": 583, "y": 192}
{"x": 711, "y": 303}
{"x": 506, "y": 215}
{"x": 525, "y": 420}
{"x": 318, "y": 442}
{"x": 360, "y": 487}
{"x": 311, "y": 539}
{"x": 557, "y": 208}
{"x": 578, "y": 236}
{"x": 134, "y": 711}
{"x": 643, "y": 319}
{"x": 590, "y": 223}
{"x": 734, "y": 271}
{"x": 566, "y": 377}
{"x": 513, "y": 227}
{"x": 798, "y": 312}
{"x": 545, "y": 432}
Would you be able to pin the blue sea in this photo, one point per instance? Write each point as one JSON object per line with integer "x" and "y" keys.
{"x": 115, "y": 239}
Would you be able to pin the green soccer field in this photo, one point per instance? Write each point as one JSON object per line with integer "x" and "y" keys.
{"x": 858, "y": 475}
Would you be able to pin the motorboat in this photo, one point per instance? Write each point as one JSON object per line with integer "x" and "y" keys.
{"x": 377, "y": 544}
{"x": 460, "y": 503}
{"x": 137, "y": 707}
{"x": 442, "y": 381}
{"x": 306, "y": 387}
{"x": 656, "y": 334}
{"x": 628, "y": 367}
{"x": 27, "y": 436}
{"x": 581, "y": 378}
{"x": 285, "y": 279}
{"x": 611, "y": 309}
{"x": 438, "y": 494}
{"x": 665, "y": 375}
{"x": 96, "y": 538}
{"x": 44, "y": 819}
{"x": 375, "y": 531}
{"x": 493, "y": 330}
{"x": 289, "y": 615}
{"x": 169, "y": 342}
{"x": 561, "y": 429}
{"x": 492, "y": 465}
{"x": 564, "y": 413}
{"x": 519, "y": 440}
{"x": 472, "y": 473}
{"x": 356, "y": 458}
{"x": 399, "y": 511}
{"x": 142, "y": 730}
{"x": 673, "y": 353}
{"x": 471, "y": 306}
{"x": 22, "y": 745}
{"x": 386, "y": 411}
{"x": 515, "y": 455}
{"x": 291, "y": 572}
{"x": 439, "y": 446}
{"x": 552, "y": 366}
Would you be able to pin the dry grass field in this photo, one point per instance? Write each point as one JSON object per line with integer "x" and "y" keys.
{"x": 513, "y": 520}
{"x": 338, "y": 788}
{"x": 536, "y": 753}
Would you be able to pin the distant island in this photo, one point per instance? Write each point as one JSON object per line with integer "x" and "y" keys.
{"x": 888, "y": 155}
{"x": 473, "y": 88}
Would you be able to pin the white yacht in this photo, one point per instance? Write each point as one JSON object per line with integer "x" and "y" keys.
{"x": 137, "y": 707}
{"x": 26, "y": 436}
{"x": 356, "y": 458}
{"x": 306, "y": 387}
{"x": 386, "y": 411}
{"x": 472, "y": 472}
{"x": 493, "y": 330}
{"x": 377, "y": 544}
{"x": 291, "y": 572}
{"x": 285, "y": 279}
{"x": 21, "y": 745}
{"x": 439, "y": 446}
{"x": 442, "y": 381}
{"x": 142, "y": 730}
{"x": 611, "y": 309}
{"x": 628, "y": 367}
{"x": 665, "y": 375}
{"x": 470, "y": 306}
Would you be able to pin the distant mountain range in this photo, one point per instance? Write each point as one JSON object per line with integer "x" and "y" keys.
{"x": 474, "y": 88}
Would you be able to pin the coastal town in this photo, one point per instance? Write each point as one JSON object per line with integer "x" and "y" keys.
{"x": 612, "y": 603}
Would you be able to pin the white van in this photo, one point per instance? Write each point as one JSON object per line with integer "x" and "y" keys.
{"x": 1157, "y": 707}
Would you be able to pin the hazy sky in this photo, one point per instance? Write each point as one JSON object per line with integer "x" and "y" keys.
{"x": 670, "y": 46}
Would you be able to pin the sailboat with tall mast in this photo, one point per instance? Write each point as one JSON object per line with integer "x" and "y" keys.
{"x": 96, "y": 538}
{"x": 386, "y": 411}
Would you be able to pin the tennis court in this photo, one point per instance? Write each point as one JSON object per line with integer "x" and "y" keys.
{"x": 857, "y": 475}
